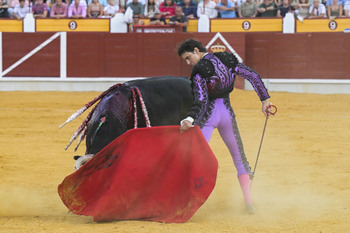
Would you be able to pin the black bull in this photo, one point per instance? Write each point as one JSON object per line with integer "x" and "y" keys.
{"x": 167, "y": 100}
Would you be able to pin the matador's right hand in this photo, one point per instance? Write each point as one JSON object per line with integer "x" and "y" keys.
{"x": 185, "y": 125}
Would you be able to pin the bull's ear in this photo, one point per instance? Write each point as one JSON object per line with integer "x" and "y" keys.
{"x": 77, "y": 157}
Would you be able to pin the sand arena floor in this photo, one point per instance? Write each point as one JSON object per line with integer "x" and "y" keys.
{"x": 302, "y": 181}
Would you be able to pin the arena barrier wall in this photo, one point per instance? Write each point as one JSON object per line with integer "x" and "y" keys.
{"x": 117, "y": 24}
{"x": 104, "y": 54}
{"x": 67, "y": 57}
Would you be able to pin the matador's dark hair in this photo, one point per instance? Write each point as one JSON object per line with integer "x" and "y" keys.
{"x": 189, "y": 45}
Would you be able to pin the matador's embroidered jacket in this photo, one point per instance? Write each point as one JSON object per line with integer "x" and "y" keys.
{"x": 214, "y": 76}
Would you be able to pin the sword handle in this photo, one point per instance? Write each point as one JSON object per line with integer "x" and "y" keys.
{"x": 272, "y": 110}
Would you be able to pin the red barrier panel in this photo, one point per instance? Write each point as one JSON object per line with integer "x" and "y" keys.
{"x": 301, "y": 55}
{"x": 44, "y": 63}
{"x": 135, "y": 55}
{"x": 273, "y": 55}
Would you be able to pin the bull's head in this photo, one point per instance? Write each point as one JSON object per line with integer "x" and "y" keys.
{"x": 112, "y": 117}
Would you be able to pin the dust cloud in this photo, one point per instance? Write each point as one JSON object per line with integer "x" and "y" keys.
{"x": 18, "y": 201}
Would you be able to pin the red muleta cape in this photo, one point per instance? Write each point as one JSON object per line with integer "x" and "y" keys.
{"x": 154, "y": 174}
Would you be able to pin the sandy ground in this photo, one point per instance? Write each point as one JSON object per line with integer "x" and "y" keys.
{"x": 302, "y": 181}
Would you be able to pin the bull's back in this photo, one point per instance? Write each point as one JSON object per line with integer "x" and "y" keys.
{"x": 167, "y": 99}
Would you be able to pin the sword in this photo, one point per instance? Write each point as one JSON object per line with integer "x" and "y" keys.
{"x": 273, "y": 112}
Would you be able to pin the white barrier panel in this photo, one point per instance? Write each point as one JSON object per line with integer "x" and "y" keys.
{"x": 117, "y": 24}
{"x": 63, "y": 55}
{"x": 59, "y": 84}
{"x": 289, "y": 23}
{"x": 203, "y": 24}
{"x": 318, "y": 86}
{"x": 29, "y": 23}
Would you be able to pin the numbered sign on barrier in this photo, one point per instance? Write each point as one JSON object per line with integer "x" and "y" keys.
{"x": 246, "y": 25}
{"x": 76, "y": 25}
{"x": 323, "y": 25}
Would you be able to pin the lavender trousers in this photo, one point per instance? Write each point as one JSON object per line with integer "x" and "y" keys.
{"x": 223, "y": 118}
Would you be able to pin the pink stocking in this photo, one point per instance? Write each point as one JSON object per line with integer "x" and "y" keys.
{"x": 244, "y": 181}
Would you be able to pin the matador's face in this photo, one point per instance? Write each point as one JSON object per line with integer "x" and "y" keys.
{"x": 191, "y": 58}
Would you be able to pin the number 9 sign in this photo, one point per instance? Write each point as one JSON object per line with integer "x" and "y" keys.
{"x": 246, "y": 25}
{"x": 332, "y": 25}
{"x": 72, "y": 25}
